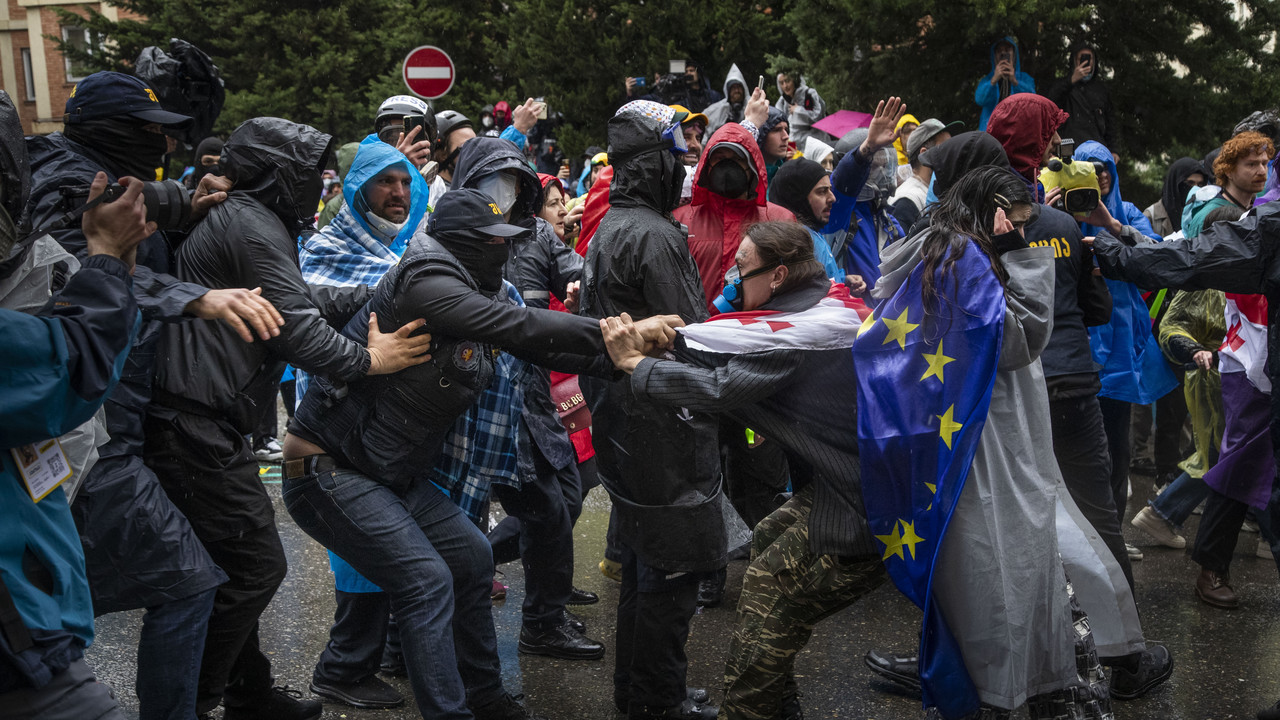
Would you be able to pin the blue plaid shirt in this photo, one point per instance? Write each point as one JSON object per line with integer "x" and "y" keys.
{"x": 481, "y": 450}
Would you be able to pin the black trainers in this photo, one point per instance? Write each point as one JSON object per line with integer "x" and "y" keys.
{"x": 901, "y": 670}
{"x": 560, "y": 642}
{"x": 711, "y": 589}
{"x": 507, "y": 707}
{"x": 1154, "y": 667}
{"x": 687, "y": 710}
{"x": 282, "y": 703}
{"x": 369, "y": 693}
{"x": 393, "y": 664}
{"x": 578, "y": 596}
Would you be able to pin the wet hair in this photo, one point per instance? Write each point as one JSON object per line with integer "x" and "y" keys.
{"x": 1223, "y": 213}
{"x": 967, "y": 211}
{"x": 1236, "y": 149}
{"x": 789, "y": 244}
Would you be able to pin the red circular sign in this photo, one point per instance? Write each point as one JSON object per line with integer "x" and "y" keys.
{"x": 428, "y": 72}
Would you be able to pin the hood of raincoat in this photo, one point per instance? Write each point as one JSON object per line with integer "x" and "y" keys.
{"x": 735, "y": 134}
{"x": 483, "y": 156}
{"x": 346, "y": 155}
{"x": 816, "y": 150}
{"x": 278, "y": 163}
{"x": 1024, "y": 124}
{"x": 1174, "y": 195}
{"x": 373, "y": 157}
{"x": 645, "y": 172}
{"x": 15, "y": 169}
{"x": 882, "y": 180}
{"x": 964, "y": 152}
{"x": 801, "y": 86}
{"x": 1076, "y": 47}
{"x": 1094, "y": 151}
{"x": 1017, "y": 53}
{"x": 900, "y": 144}
{"x": 735, "y": 76}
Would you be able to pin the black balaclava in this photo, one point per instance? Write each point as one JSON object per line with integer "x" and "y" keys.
{"x": 207, "y": 146}
{"x": 122, "y": 141}
{"x": 791, "y": 187}
{"x": 483, "y": 260}
{"x": 1174, "y": 194}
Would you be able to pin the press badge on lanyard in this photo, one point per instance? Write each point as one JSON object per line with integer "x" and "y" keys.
{"x": 43, "y": 467}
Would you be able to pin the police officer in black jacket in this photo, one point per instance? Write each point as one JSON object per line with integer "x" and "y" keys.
{"x": 358, "y": 454}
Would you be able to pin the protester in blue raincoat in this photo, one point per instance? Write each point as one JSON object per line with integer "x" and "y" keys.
{"x": 1133, "y": 369}
{"x": 1006, "y": 78}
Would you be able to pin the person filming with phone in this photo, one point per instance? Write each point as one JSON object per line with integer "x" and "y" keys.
{"x": 1084, "y": 95}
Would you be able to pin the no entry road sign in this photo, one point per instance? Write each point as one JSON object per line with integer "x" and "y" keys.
{"x": 428, "y": 72}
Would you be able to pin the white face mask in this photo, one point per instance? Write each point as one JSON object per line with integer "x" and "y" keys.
{"x": 382, "y": 226}
{"x": 501, "y": 187}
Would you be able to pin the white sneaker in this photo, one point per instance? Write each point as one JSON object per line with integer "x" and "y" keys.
{"x": 1157, "y": 527}
{"x": 269, "y": 451}
{"x": 1134, "y": 553}
{"x": 1250, "y": 526}
{"x": 1264, "y": 550}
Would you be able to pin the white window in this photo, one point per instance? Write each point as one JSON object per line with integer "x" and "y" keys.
{"x": 28, "y": 76}
{"x": 82, "y": 39}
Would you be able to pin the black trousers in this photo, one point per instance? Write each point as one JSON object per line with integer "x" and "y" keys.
{"x": 210, "y": 474}
{"x": 654, "y": 610}
{"x": 1171, "y": 415}
{"x": 1219, "y": 529}
{"x": 354, "y": 651}
{"x": 1081, "y": 448}
{"x": 539, "y": 531}
{"x": 1116, "y": 418}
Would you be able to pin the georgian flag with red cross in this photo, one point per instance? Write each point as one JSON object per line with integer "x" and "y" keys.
{"x": 830, "y": 325}
{"x": 1245, "y": 347}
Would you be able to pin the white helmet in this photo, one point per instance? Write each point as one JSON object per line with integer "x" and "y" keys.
{"x": 397, "y": 106}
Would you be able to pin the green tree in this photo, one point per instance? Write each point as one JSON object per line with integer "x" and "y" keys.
{"x": 1180, "y": 74}
{"x": 327, "y": 65}
{"x": 577, "y": 53}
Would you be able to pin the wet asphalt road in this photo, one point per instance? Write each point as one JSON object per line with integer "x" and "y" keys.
{"x": 1227, "y": 663}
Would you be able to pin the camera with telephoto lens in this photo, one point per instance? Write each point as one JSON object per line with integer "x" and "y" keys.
{"x": 168, "y": 202}
{"x": 1079, "y": 182}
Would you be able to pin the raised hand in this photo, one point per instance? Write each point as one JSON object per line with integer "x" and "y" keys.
{"x": 883, "y": 129}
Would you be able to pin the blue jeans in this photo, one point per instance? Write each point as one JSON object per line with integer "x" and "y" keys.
{"x": 169, "y": 653}
{"x": 435, "y": 565}
{"x": 1177, "y": 501}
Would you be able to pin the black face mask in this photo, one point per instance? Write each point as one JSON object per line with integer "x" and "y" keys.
{"x": 727, "y": 179}
{"x": 130, "y": 149}
{"x": 484, "y": 261}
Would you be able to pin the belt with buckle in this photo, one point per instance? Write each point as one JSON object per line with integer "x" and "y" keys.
{"x": 309, "y": 465}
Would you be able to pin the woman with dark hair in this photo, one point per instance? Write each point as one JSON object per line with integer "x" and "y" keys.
{"x": 997, "y": 581}
{"x": 780, "y": 365}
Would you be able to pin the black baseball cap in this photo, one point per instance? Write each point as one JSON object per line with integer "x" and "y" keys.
{"x": 105, "y": 95}
{"x": 472, "y": 211}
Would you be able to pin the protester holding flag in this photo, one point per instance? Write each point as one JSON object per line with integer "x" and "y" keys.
{"x": 964, "y": 499}
{"x": 780, "y": 364}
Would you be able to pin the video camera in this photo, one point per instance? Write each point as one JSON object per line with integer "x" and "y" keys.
{"x": 1079, "y": 182}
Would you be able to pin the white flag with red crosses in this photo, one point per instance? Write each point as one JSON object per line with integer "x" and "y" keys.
{"x": 1245, "y": 347}
{"x": 831, "y": 324}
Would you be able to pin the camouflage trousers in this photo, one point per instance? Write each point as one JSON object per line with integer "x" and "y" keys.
{"x": 786, "y": 591}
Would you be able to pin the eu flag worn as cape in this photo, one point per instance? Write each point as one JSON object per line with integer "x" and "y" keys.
{"x": 924, "y": 387}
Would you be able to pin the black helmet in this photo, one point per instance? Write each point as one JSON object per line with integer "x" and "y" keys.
{"x": 448, "y": 121}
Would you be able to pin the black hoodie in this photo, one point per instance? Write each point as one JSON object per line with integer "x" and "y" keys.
{"x": 1088, "y": 102}
{"x": 251, "y": 241}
